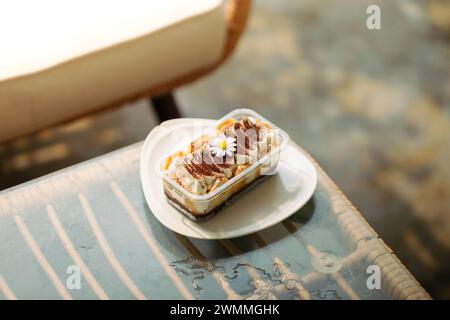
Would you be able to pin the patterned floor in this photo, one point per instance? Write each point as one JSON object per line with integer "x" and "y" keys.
{"x": 373, "y": 107}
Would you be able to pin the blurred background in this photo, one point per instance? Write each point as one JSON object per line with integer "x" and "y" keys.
{"x": 372, "y": 107}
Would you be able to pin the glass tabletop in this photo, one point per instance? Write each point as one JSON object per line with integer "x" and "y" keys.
{"x": 86, "y": 233}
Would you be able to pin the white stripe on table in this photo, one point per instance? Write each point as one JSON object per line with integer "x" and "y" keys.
{"x": 195, "y": 252}
{"x": 150, "y": 242}
{"x": 107, "y": 251}
{"x": 285, "y": 271}
{"x": 40, "y": 257}
{"x": 95, "y": 286}
{"x": 6, "y": 290}
{"x": 231, "y": 247}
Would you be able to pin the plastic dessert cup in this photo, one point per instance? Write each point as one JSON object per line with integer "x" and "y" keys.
{"x": 201, "y": 207}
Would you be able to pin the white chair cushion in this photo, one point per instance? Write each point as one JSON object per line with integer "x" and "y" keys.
{"x": 60, "y": 59}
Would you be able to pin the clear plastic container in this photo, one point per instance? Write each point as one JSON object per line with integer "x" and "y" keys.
{"x": 199, "y": 207}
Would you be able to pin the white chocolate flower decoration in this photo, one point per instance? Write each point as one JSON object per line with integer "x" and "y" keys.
{"x": 223, "y": 145}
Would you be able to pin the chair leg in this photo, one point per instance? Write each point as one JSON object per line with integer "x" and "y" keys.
{"x": 165, "y": 106}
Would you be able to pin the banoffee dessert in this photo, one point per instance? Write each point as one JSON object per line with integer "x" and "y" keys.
{"x": 213, "y": 163}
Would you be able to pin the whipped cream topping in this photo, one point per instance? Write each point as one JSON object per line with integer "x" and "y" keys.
{"x": 202, "y": 169}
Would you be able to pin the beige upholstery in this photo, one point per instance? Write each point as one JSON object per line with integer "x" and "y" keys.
{"x": 59, "y": 59}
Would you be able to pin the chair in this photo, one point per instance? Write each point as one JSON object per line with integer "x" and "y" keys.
{"x": 60, "y": 61}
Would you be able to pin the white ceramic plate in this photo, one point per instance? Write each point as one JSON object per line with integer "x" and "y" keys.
{"x": 268, "y": 203}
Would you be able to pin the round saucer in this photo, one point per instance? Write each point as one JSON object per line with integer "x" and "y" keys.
{"x": 268, "y": 203}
